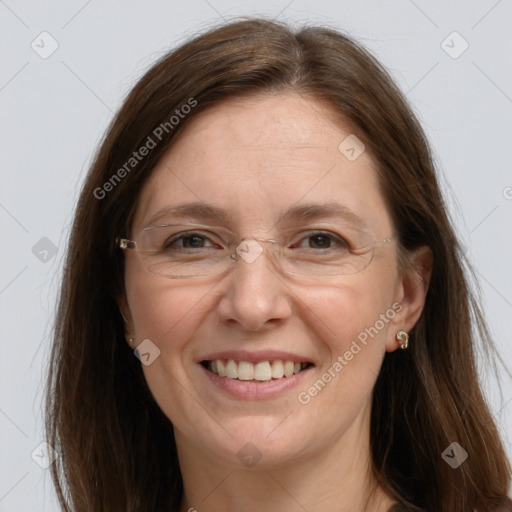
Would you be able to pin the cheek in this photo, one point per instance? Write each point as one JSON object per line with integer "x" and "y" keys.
{"x": 169, "y": 315}
{"x": 359, "y": 308}
{"x": 164, "y": 312}
{"x": 353, "y": 321}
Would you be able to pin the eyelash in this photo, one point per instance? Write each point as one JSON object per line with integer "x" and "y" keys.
{"x": 187, "y": 235}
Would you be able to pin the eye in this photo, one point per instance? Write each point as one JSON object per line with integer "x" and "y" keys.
{"x": 191, "y": 240}
{"x": 323, "y": 240}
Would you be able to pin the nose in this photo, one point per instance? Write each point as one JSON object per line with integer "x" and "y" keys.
{"x": 256, "y": 296}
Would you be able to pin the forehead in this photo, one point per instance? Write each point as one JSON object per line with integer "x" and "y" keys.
{"x": 257, "y": 157}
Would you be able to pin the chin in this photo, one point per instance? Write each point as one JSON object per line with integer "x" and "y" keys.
{"x": 262, "y": 442}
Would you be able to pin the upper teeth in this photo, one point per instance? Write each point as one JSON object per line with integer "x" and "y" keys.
{"x": 263, "y": 371}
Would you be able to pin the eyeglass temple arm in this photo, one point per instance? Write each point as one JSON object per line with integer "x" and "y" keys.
{"x": 124, "y": 243}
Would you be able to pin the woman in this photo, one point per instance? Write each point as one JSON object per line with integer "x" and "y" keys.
{"x": 262, "y": 227}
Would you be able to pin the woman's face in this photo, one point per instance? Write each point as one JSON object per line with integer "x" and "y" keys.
{"x": 255, "y": 159}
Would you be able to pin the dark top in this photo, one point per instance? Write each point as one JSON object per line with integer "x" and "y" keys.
{"x": 504, "y": 506}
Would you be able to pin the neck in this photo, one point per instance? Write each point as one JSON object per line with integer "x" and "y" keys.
{"x": 335, "y": 479}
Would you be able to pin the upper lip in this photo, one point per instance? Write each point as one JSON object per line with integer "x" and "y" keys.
{"x": 255, "y": 356}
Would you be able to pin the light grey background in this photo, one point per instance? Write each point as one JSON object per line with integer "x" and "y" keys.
{"x": 54, "y": 111}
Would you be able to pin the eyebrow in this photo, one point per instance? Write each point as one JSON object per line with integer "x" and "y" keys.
{"x": 313, "y": 211}
{"x": 302, "y": 212}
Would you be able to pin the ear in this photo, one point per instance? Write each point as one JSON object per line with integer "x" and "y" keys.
{"x": 412, "y": 292}
{"x": 124, "y": 309}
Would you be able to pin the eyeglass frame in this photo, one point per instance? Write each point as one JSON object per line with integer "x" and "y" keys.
{"x": 125, "y": 243}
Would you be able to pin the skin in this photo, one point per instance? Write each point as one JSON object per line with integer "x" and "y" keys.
{"x": 256, "y": 157}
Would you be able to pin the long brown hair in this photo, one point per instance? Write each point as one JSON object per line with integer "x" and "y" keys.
{"x": 117, "y": 448}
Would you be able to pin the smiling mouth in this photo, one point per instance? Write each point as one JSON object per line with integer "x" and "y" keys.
{"x": 263, "y": 371}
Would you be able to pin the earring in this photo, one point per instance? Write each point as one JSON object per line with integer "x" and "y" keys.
{"x": 130, "y": 341}
{"x": 403, "y": 338}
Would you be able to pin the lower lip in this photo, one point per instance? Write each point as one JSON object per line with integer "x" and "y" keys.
{"x": 254, "y": 390}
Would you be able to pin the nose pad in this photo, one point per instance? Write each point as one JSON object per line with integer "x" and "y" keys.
{"x": 248, "y": 250}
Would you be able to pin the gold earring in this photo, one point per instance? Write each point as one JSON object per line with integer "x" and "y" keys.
{"x": 403, "y": 338}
